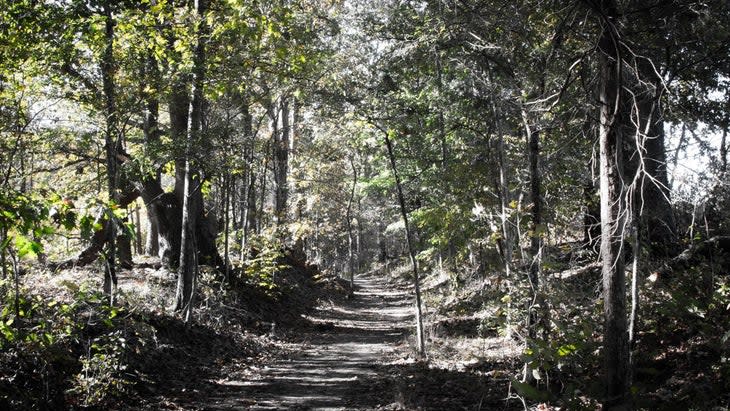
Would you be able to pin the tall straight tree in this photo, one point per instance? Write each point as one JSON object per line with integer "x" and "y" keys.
{"x": 151, "y": 76}
{"x": 656, "y": 208}
{"x": 110, "y": 141}
{"x": 533, "y": 155}
{"x": 281, "y": 160}
{"x": 420, "y": 338}
{"x": 350, "y": 240}
{"x": 615, "y": 333}
{"x": 188, "y": 249}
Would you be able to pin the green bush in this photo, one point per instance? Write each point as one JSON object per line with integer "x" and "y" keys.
{"x": 74, "y": 346}
{"x": 260, "y": 269}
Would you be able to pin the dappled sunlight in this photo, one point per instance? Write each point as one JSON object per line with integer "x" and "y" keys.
{"x": 343, "y": 346}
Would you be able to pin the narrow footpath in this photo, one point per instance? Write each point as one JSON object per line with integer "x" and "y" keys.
{"x": 338, "y": 364}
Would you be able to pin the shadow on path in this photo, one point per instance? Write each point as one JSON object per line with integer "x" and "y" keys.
{"x": 341, "y": 350}
{"x": 351, "y": 357}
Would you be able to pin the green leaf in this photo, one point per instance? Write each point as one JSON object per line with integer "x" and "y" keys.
{"x": 27, "y": 247}
{"x": 567, "y": 350}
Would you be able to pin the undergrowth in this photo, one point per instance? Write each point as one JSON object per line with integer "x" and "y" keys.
{"x": 65, "y": 347}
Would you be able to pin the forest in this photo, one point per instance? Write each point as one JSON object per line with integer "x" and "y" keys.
{"x": 364, "y": 204}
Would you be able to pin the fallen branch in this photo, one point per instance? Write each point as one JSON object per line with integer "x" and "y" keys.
{"x": 573, "y": 272}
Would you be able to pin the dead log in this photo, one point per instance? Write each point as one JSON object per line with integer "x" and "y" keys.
{"x": 591, "y": 268}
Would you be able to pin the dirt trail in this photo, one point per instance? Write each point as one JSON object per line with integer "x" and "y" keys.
{"x": 337, "y": 366}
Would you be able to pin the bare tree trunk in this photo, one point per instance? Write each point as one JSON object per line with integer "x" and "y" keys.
{"x": 420, "y": 339}
{"x": 233, "y": 203}
{"x": 261, "y": 218}
{"x": 533, "y": 152}
{"x": 636, "y": 252}
{"x": 348, "y": 217}
{"x": 507, "y": 238}
{"x": 124, "y": 245}
{"x": 110, "y": 140}
{"x": 723, "y": 152}
{"x": 16, "y": 282}
{"x": 151, "y": 130}
{"x": 281, "y": 162}
{"x": 138, "y": 230}
{"x": 249, "y": 213}
{"x": 441, "y": 120}
{"x": 359, "y": 237}
{"x": 294, "y": 129}
{"x": 316, "y": 246}
{"x": 657, "y": 216}
{"x": 152, "y": 237}
{"x": 248, "y": 192}
{"x": 613, "y": 214}
{"x": 188, "y": 249}
{"x": 227, "y": 207}
{"x": 3, "y": 261}
{"x": 591, "y": 216}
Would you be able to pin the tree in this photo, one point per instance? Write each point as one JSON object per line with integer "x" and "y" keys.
{"x": 350, "y": 234}
{"x": 420, "y": 338}
{"x": 615, "y": 336}
{"x": 113, "y": 145}
{"x": 187, "y": 275}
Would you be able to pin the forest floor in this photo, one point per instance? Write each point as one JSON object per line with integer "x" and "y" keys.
{"x": 349, "y": 353}
{"x": 304, "y": 345}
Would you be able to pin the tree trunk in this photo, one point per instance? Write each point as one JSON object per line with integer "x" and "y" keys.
{"x": 151, "y": 130}
{"x": 249, "y": 214}
{"x": 110, "y": 140}
{"x": 188, "y": 249}
{"x": 723, "y": 152}
{"x": 152, "y": 237}
{"x": 124, "y": 246}
{"x": 536, "y": 228}
{"x": 420, "y": 339}
{"x": 248, "y": 192}
{"x": 615, "y": 334}
{"x": 503, "y": 194}
{"x": 315, "y": 246}
{"x": 281, "y": 163}
{"x": 359, "y": 238}
{"x": 165, "y": 210}
{"x": 138, "y": 231}
{"x": 350, "y": 240}
{"x": 233, "y": 204}
{"x": 262, "y": 193}
{"x": 226, "y": 225}
{"x": 441, "y": 119}
{"x": 657, "y": 216}
{"x": 591, "y": 216}
{"x": 3, "y": 266}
